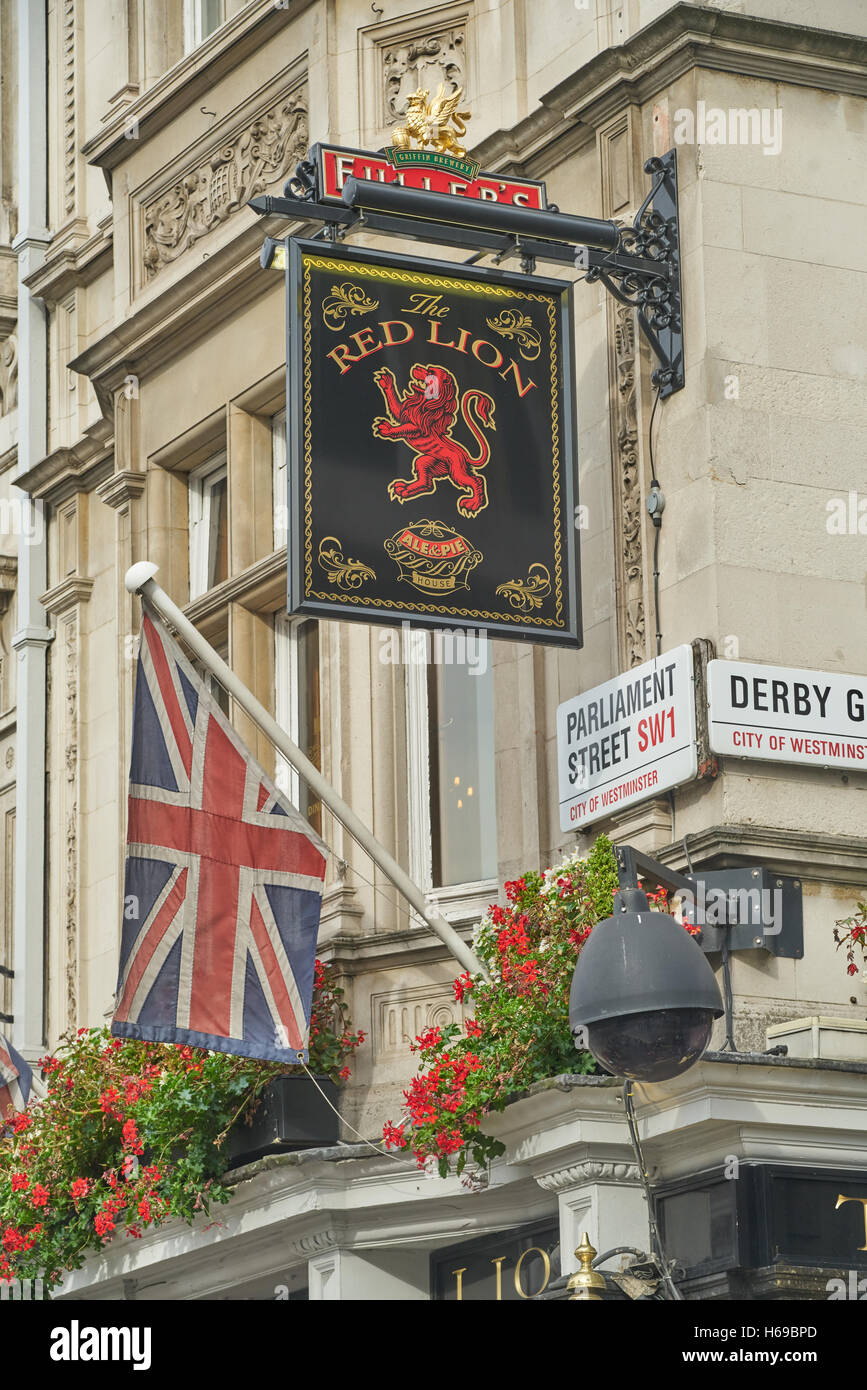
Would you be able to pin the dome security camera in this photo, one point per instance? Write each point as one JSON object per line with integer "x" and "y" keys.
{"x": 643, "y": 993}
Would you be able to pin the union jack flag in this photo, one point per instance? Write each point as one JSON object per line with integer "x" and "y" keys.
{"x": 223, "y": 878}
{"x": 15, "y": 1080}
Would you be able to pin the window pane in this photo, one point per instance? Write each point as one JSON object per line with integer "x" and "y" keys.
{"x": 296, "y": 706}
{"x": 278, "y": 443}
{"x": 219, "y": 534}
{"x": 463, "y": 803}
{"x": 212, "y": 16}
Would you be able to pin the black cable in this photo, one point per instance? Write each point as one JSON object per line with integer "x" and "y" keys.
{"x": 657, "y": 529}
{"x": 728, "y": 999}
{"x": 655, "y": 1241}
{"x": 655, "y": 485}
{"x": 654, "y": 481}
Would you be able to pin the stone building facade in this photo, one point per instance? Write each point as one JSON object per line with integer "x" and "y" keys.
{"x": 142, "y": 361}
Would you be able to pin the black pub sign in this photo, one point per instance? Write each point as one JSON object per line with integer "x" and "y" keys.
{"x": 432, "y": 444}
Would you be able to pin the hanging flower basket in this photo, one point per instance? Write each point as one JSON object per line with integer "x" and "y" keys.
{"x": 131, "y": 1134}
{"x": 292, "y": 1114}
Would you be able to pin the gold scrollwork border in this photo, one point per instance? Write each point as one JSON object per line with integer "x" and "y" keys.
{"x": 527, "y": 594}
{"x": 339, "y": 568}
{"x": 345, "y": 300}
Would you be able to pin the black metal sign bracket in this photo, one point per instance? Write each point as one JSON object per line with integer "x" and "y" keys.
{"x": 639, "y": 265}
{"x": 743, "y": 909}
{"x": 644, "y": 272}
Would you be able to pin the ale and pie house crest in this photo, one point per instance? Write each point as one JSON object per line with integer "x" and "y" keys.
{"x": 432, "y": 444}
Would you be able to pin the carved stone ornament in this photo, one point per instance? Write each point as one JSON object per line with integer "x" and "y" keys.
{"x": 590, "y": 1170}
{"x": 422, "y": 62}
{"x": 628, "y": 484}
{"x": 8, "y": 374}
{"x": 261, "y": 155}
{"x": 70, "y": 656}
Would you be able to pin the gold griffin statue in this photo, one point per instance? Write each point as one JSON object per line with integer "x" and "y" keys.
{"x": 427, "y": 123}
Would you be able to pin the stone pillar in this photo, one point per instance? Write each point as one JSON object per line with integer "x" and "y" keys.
{"x": 378, "y": 1276}
{"x": 33, "y": 635}
{"x": 603, "y": 1198}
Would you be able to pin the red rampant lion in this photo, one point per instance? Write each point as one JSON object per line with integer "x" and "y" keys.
{"x": 424, "y": 418}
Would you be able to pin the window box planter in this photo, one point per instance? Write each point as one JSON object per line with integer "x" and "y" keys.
{"x": 291, "y": 1115}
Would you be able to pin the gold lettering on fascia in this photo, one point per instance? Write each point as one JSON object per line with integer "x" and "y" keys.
{"x": 546, "y": 1265}
{"x": 863, "y": 1200}
{"x": 498, "y": 1263}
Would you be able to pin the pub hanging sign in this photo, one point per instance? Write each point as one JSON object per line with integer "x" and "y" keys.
{"x": 432, "y": 444}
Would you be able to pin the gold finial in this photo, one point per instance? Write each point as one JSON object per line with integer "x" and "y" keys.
{"x": 585, "y": 1280}
{"x": 426, "y": 124}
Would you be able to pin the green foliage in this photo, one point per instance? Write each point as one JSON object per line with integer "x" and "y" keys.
{"x": 520, "y": 1032}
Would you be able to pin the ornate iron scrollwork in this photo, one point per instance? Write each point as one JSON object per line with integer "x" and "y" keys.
{"x": 302, "y": 184}
{"x": 652, "y": 284}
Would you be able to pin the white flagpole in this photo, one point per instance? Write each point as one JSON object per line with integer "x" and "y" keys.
{"x": 140, "y": 580}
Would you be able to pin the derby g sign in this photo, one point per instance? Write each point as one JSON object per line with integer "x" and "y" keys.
{"x": 432, "y": 444}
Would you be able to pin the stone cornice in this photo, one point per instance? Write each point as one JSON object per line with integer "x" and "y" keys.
{"x": 685, "y": 37}
{"x": 72, "y": 266}
{"x": 194, "y": 76}
{"x": 590, "y": 1170}
{"x": 31, "y": 638}
{"x": 253, "y": 587}
{"x": 743, "y": 1106}
{"x": 122, "y": 488}
{"x": 67, "y": 594}
{"x": 183, "y": 313}
{"x": 808, "y": 854}
{"x": 68, "y": 470}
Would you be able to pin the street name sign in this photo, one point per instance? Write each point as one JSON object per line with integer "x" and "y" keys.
{"x": 787, "y": 714}
{"x": 627, "y": 740}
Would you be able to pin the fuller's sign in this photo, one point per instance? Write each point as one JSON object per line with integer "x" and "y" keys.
{"x": 627, "y": 740}
{"x": 427, "y": 169}
{"x": 432, "y": 444}
{"x": 786, "y": 714}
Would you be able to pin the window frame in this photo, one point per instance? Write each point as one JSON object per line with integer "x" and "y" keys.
{"x": 459, "y": 902}
{"x": 193, "y": 27}
{"x": 279, "y": 477}
{"x": 287, "y": 698}
{"x": 201, "y": 483}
